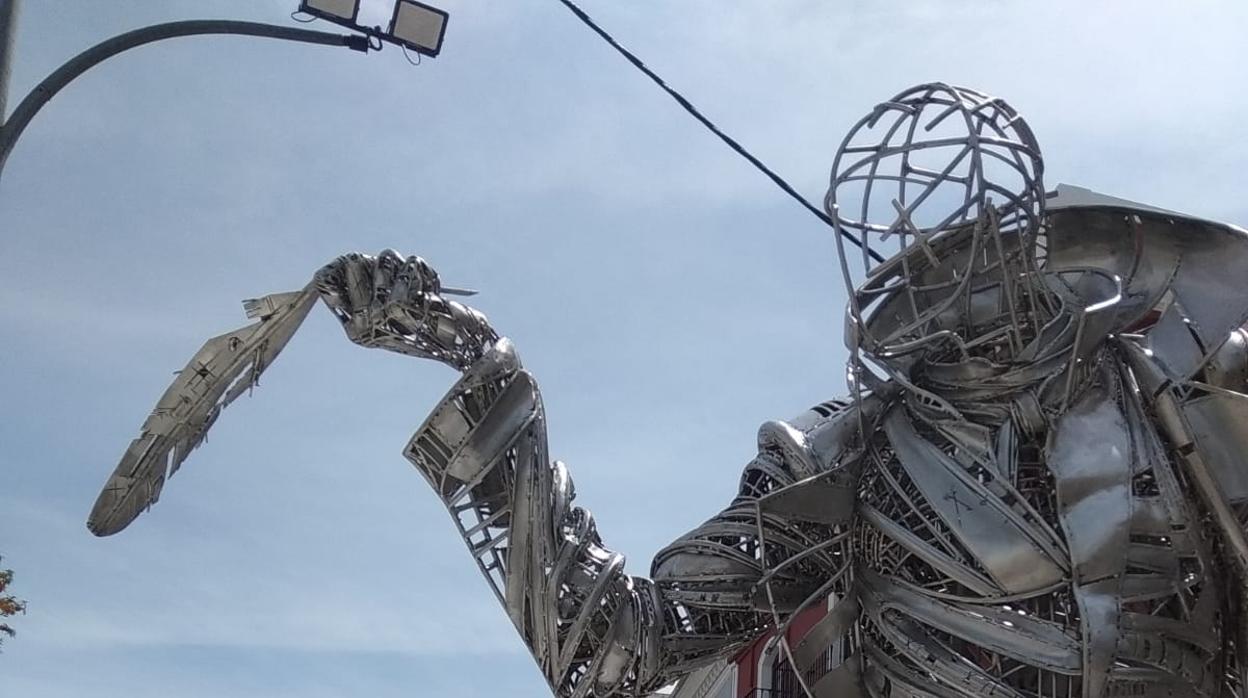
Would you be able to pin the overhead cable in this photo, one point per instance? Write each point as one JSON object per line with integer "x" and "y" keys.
{"x": 728, "y": 140}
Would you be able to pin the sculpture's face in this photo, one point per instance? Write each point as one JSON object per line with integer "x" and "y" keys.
{"x": 926, "y": 181}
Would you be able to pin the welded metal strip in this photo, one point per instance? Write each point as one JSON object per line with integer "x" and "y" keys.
{"x": 1090, "y": 456}
{"x": 1173, "y": 344}
{"x": 1022, "y": 637}
{"x": 827, "y": 498}
{"x": 1219, "y": 423}
{"x": 960, "y": 573}
{"x": 514, "y": 409}
{"x": 519, "y": 552}
{"x": 1209, "y": 282}
{"x": 1001, "y": 541}
{"x": 885, "y": 677}
{"x": 826, "y": 631}
{"x": 926, "y": 650}
{"x": 1197, "y": 636}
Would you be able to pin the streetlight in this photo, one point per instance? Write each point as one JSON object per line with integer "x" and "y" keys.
{"x": 413, "y": 25}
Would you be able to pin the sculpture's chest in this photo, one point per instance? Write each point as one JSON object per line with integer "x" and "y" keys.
{"x": 1059, "y": 559}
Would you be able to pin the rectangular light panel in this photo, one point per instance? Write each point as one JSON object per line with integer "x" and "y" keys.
{"x": 333, "y": 10}
{"x": 418, "y": 26}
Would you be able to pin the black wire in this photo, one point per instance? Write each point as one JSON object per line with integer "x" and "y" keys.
{"x": 693, "y": 111}
{"x": 408, "y": 56}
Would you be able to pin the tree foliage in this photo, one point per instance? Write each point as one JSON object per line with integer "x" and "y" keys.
{"x": 9, "y": 605}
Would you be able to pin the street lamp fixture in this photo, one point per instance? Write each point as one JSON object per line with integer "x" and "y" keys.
{"x": 418, "y": 26}
{"x": 413, "y": 25}
{"x": 339, "y": 11}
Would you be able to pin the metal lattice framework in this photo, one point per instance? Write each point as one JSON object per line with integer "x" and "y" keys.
{"x": 932, "y": 159}
{"x": 1036, "y": 490}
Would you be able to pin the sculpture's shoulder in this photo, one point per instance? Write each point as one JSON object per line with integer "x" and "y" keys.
{"x": 1162, "y": 257}
{"x": 827, "y": 436}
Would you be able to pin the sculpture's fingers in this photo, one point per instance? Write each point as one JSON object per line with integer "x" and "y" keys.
{"x": 331, "y": 281}
{"x": 405, "y": 282}
{"x": 388, "y": 265}
{"x": 346, "y": 286}
{"x": 358, "y": 282}
{"x": 415, "y": 282}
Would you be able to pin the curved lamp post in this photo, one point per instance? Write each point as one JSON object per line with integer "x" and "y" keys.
{"x": 409, "y": 27}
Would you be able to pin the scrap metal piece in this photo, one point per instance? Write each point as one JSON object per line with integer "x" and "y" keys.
{"x": 223, "y": 369}
{"x": 1219, "y": 426}
{"x": 997, "y": 628}
{"x": 1012, "y": 552}
{"x": 1173, "y": 344}
{"x": 1090, "y": 457}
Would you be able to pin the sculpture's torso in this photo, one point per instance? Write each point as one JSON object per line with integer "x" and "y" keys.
{"x": 1009, "y": 573}
{"x": 1041, "y": 524}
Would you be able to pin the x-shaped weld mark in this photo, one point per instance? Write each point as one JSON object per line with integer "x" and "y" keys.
{"x": 904, "y": 221}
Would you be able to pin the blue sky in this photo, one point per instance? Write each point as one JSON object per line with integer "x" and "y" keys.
{"x": 667, "y": 297}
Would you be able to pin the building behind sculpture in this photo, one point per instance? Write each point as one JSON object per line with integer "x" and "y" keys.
{"x": 761, "y": 670}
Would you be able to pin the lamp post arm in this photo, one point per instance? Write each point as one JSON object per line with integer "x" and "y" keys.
{"x": 46, "y": 90}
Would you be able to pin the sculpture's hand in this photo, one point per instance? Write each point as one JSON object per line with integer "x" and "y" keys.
{"x": 397, "y": 303}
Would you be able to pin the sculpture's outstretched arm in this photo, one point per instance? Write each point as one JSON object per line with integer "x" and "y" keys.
{"x": 594, "y": 630}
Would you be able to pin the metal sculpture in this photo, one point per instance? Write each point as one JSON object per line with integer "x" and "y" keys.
{"x": 1036, "y": 489}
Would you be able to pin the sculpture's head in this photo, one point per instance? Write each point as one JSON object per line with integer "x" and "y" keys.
{"x": 943, "y": 187}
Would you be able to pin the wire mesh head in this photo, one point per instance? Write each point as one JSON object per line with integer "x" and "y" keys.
{"x": 931, "y": 160}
